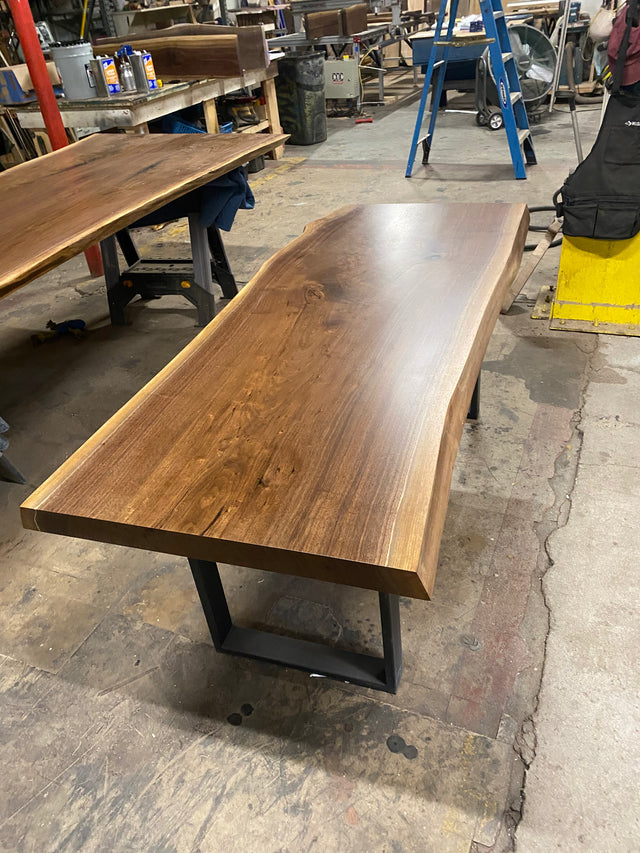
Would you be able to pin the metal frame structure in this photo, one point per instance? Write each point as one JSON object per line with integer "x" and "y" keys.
{"x": 154, "y": 278}
{"x": 378, "y": 673}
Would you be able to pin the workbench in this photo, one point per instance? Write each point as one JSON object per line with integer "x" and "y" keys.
{"x": 312, "y": 428}
{"x": 60, "y": 204}
{"x": 132, "y": 111}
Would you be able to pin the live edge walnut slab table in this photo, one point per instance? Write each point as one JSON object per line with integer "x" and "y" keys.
{"x": 59, "y": 204}
{"x": 312, "y": 428}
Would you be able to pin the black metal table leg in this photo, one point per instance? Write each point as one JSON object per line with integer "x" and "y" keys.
{"x": 117, "y": 294}
{"x": 220, "y": 263}
{"x": 127, "y": 247}
{"x": 474, "y": 407}
{"x": 379, "y": 673}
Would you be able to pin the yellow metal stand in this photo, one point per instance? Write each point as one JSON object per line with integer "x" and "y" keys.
{"x": 598, "y": 286}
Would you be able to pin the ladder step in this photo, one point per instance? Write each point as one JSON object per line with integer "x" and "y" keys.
{"x": 507, "y": 56}
{"x": 515, "y": 96}
{"x": 523, "y": 134}
{"x": 497, "y": 15}
{"x": 458, "y": 42}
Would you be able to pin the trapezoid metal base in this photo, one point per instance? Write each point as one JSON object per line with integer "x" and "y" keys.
{"x": 378, "y": 673}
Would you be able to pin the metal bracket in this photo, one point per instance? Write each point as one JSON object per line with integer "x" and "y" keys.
{"x": 378, "y": 673}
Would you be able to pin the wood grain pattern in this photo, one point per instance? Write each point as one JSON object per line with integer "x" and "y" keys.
{"x": 354, "y": 19}
{"x": 63, "y": 202}
{"x": 318, "y": 24}
{"x": 313, "y": 426}
{"x": 252, "y": 45}
{"x": 192, "y": 57}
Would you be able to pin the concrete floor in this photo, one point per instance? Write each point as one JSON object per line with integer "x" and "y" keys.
{"x": 516, "y": 723}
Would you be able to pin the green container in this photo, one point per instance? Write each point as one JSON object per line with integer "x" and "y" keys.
{"x": 301, "y": 103}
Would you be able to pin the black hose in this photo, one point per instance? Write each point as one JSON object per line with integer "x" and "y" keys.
{"x": 542, "y": 228}
{"x": 529, "y": 247}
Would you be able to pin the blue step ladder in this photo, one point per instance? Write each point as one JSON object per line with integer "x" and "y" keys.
{"x": 506, "y": 78}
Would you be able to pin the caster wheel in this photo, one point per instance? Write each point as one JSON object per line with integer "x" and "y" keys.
{"x": 481, "y": 119}
{"x": 426, "y": 150}
{"x": 496, "y": 121}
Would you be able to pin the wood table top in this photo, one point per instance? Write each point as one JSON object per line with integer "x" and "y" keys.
{"x": 57, "y": 205}
{"x": 312, "y": 427}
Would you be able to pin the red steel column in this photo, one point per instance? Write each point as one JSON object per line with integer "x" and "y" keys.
{"x": 26, "y": 29}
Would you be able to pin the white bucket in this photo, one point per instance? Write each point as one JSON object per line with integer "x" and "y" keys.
{"x": 72, "y": 61}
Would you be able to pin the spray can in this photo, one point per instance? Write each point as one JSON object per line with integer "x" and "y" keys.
{"x": 149, "y": 70}
{"x": 125, "y": 70}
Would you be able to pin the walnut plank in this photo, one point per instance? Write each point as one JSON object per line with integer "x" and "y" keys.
{"x": 59, "y": 204}
{"x": 313, "y": 426}
{"x": 252, "y": 45}
{"x": 354, "y": 19}
{"x": 318, "y": 24}
{"x": 192, "y": 57}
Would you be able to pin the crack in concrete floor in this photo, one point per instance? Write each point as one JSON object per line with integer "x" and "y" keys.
{"x": 563, "y": 484}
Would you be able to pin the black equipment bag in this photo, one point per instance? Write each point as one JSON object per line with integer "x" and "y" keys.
{"x": 601, "y": 198}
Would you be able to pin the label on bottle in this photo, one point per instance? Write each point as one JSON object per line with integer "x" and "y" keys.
{"x": 111, "y": 75}
{"x": 149, "y": 70}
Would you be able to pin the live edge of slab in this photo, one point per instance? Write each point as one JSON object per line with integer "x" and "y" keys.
{"x": 71, "y": 198}
{"x": 312, "y": 427}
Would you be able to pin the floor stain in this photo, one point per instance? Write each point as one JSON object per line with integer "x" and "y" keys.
{"x": 397, "y": 744}
{"x": 550, "y": 368}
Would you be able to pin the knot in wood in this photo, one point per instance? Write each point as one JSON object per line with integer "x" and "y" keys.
{"x": 315, "y": 291}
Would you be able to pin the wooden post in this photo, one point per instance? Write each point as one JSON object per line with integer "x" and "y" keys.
{"x": 211, "y": 116}
{"x": 273, "y": 116}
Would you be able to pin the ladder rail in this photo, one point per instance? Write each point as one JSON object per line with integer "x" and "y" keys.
{"x": 514, "y": 113}
{"x": 428, "y": 77}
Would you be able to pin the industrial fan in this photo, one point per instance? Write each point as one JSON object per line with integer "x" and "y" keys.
{"x": 535, "y": 59}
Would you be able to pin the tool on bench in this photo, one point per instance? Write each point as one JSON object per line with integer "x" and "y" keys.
{"x": 505, "y": 73}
